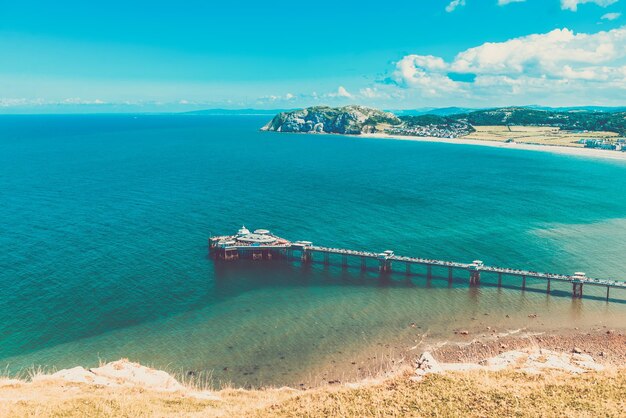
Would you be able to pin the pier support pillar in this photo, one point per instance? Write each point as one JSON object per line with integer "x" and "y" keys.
{"x": 474, "y": 277}
{"x": 523, "y": 282}
{"x": 363, "y": 264}
{"x": 344, "y": 261}
{"x": 607, "y": 292}
{"x": 326, "y": 259}
{"x": 450, "y": 274}
{"x": 548, "y": 289}
{"x": 577, "y": 290}
{"x": 306, "y": 256}
{"x": 429, "y": 272}
{"x": 499, "y": 279}
{"x": 230, "y": 255}
{"x": 408, "y": 269}
{"x": 385, "y": 266}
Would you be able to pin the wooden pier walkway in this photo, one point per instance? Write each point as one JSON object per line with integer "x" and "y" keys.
{"x": 238, "y": 247}
{"x": 387, "y": 259}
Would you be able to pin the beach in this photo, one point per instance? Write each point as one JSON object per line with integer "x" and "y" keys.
{"x": 606, "y": 345}
{"x": 565, "y": 150}
{"x": 521, "y": 376}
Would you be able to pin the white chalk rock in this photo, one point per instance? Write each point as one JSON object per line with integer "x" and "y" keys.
{"x": 127, "y": 373}
{"x": 124, "y": 373}
{"x": 76, "y": 375}
{"x": 427, "y": 365}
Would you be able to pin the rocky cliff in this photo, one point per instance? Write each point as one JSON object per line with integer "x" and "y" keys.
{"x": 356, "y": 120}
{"x": 348, "y": 120}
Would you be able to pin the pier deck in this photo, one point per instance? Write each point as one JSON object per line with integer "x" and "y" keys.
{"x": 262, "y": 245}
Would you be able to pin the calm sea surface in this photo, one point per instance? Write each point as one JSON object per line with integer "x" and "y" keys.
{"x": 104, "y": 223}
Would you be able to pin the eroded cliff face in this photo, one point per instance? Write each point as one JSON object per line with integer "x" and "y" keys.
{"x": 348, "y": 120}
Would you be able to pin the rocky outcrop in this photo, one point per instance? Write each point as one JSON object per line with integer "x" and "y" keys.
{"x": 534, "y": 361}
{"x": 356, "y": 120}
{"x": 348, "y": 120}
{"x": 124, "y": 373}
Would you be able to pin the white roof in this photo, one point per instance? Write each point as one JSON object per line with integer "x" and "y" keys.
{"x": 256, "y": 238}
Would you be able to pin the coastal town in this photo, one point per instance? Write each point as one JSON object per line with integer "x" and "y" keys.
{"x": 605, "y": 144}
{"x": 449, "y": 130}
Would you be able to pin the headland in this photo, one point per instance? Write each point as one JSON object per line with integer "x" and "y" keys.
{"x": 596, "y": 134}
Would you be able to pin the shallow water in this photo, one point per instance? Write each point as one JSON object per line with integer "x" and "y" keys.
{"x": 104, "y": 223}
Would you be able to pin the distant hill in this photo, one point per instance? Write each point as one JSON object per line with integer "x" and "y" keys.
{"x": 574, "y": 120}
{"x": 580, "y": 108}
{"x": 443, "y": 111}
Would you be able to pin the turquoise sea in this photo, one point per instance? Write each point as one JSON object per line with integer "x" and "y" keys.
{"x": 104, "y": 223}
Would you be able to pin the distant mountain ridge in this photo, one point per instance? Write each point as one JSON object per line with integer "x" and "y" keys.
{"x": 224, "y": 112}
{"x": 441, "y": 111}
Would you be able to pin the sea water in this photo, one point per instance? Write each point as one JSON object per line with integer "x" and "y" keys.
{"x": 104, "y": 222}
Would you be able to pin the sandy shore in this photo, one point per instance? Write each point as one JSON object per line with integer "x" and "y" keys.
{"x": 579, "y": 152}
{"x": 606, "y": 346}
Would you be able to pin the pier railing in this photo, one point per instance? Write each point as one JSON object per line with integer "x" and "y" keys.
{"x": 304, "y": 250}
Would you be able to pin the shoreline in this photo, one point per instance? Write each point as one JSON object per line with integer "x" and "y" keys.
{"x": 606, "y": 345}
{"x": 521, "y": 367}
{"x": 564, "y": 150}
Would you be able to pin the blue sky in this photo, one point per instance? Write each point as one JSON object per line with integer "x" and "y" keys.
{"x": 162, "y": 55}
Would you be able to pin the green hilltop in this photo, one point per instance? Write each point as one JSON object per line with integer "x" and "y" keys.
{"x": 572, "y": 120}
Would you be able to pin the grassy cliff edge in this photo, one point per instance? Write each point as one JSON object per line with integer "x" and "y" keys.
{"x": 470, "y": 390}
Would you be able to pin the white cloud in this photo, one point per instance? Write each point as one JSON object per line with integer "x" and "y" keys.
{"x": 276, "y": 98}
{"x": 561, "y": 62}
{"x": 611, "y": 16}
{"x": 373, "y": 93}
{"x": 505, "y": 2}
{"x": 454, "y": 4}
{"x": 340, "y": 95}
{"x": 24, "y": 102}
{"x": 425, "y": 72}
{"x": 342, "y": 92}
{"x": 573, "y": 4}
{"x": 543, "y": 53}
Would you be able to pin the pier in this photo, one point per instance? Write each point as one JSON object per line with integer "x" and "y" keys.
{"x": 263, "y": 245}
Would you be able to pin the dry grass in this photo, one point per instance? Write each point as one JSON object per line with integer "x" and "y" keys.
{"x": 473, "y": 394}
{"x": 462, "y": 394}
{"x": 535, "y": 135}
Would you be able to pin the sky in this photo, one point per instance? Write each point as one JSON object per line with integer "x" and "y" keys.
{"x": 70, "y": 55}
